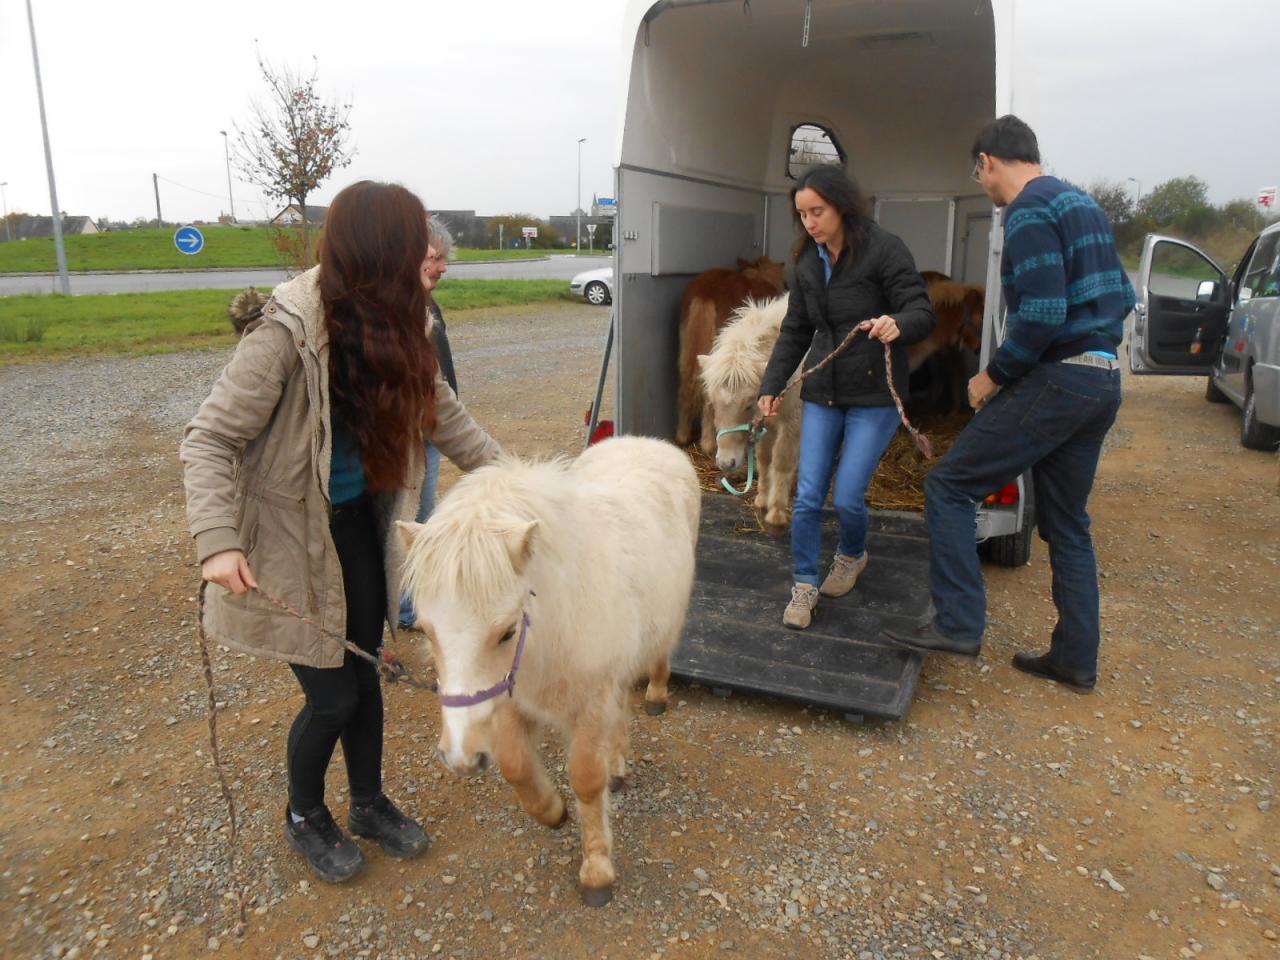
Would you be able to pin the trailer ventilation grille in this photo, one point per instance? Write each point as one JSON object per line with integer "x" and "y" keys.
{"x": 896, "y": 41}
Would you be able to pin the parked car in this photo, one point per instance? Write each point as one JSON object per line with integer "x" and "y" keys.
{"x": 595, "y": 285}
{"x": 1192, "y": 318}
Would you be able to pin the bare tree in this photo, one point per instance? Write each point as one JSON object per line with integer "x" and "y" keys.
{"x": 294, "y": 140}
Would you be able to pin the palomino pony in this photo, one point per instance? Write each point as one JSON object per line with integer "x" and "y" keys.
{"x": 704, "y": 310}
{"x": 564, "y": 581}
{"x": 731, "y": 375}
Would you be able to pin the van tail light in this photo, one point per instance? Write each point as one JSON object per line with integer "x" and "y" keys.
{"x": 1006, "y": 496}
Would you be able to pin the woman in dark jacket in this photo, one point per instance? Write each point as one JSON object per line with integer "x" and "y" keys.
{"x": 848, "y": 273}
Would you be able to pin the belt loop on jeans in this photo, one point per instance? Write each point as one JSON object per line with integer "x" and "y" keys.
{"x": 1093, "y": 360}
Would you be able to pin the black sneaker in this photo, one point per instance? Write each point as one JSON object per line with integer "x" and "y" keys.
{"x": 332, "y": 854}
{"x": 382, "y": 821}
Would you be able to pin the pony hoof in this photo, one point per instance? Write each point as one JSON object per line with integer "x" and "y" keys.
{"x": 617, "y": 784}
{"x": 564, "y": 818}
{"x": 597, "y": 896}
{"x": 655, "y": 708}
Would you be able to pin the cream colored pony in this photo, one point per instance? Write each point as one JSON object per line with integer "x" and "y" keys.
{"x": 731, "y": 375}
{"x": 598, "y": 553}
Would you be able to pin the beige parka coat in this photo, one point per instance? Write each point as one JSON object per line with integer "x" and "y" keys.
{"x": 256, "y": 471}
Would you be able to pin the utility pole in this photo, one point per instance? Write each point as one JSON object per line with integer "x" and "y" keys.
{"x": 226, "y": 152}
{"x": 48, "y": 162}
{"x": 499, "y": 236}
{"x": 577, "y": 246}
{"x": 155, "y": 182}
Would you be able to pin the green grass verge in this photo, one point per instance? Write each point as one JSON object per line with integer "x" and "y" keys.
{"x": 242, "y": 247}
{"x": 146, "y": 323}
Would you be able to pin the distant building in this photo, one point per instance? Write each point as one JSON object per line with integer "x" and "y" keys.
{"x": 291, "y": 216}
{"x": 603, "y": 206}
{"x": 35, "y": 228}
{"x": 465, "y": 227}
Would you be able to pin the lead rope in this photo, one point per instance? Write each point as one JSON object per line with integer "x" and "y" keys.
{"x": 233, "y": 845}
{"x": 922, "y": 442}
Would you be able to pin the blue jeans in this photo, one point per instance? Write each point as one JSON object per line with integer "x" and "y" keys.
{"x": 1051, "y": 421}
{"x": 865, "y": 433}
{"x": 426, "y": 504}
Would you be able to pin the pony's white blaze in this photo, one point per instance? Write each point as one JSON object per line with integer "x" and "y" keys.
{"x": 599, "y": 552}
{"x": 731, "y": 375}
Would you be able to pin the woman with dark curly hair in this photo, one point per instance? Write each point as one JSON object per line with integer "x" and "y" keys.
{"x": 295, "y": 466}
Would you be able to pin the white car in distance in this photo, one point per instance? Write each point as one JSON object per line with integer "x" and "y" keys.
{"x": 595, "y": 285}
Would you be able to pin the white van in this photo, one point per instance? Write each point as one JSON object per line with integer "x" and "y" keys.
{"x": 722, "y": 98}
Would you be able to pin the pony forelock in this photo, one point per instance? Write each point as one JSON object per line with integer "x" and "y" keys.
{"x": 740, "y": 352}
{"x": 461, "y": 551}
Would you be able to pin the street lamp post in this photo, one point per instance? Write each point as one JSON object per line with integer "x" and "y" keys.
{"x": 58, "y": 245}
{"x": 577, "y": 246}
{"x": 226, "y": 152}
{"x": 8, "y": 236}
{"x": 1139, "y": 183}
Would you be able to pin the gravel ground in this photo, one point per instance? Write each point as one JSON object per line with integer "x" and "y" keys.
{"x": 1005, "y": 819}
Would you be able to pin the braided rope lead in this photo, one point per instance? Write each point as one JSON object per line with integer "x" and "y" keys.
{"x": 921, "y": 441}
{"x": 233, "y": 845}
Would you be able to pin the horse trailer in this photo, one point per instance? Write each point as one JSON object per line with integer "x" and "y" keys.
{"x": 723, "y": 100}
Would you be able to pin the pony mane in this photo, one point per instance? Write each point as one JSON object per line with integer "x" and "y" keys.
{"x": 461, "y": 550}
{"x": 741, "y": 350}
{"x": 951, "y": 293}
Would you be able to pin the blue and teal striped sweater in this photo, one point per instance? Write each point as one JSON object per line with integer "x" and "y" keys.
{"x": 1064, "y": 285}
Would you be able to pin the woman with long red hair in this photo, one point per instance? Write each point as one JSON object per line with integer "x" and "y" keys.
{"x": 295, "y": 466}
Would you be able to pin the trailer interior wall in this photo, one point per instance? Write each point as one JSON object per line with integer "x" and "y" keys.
{"x": 713, "y": 96}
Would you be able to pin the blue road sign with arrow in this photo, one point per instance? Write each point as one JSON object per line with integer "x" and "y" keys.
{"x": 189, "y": 240}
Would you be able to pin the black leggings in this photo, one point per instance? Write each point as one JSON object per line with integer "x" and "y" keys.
{"x": 345, "y": 702}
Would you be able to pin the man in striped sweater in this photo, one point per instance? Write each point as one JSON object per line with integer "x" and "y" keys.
{"x": 1044, "y": 403}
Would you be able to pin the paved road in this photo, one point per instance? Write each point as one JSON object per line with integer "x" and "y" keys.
{"x": 555, "y": 268}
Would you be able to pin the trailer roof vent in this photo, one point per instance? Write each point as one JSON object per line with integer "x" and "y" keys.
{"x": 812, "y": 145}
{"x": 896, "y": 41}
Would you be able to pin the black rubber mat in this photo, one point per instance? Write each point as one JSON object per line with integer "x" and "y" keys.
{"x": 735, "y": 638}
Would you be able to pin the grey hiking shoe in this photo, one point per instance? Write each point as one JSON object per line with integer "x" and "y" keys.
{"x": 799, "y": 612}
{"x": 843, "y": 575}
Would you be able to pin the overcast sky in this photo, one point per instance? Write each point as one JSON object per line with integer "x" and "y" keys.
{"x": 478, "y": 104}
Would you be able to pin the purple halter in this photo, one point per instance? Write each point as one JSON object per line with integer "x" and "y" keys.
{"x": 506, "y": 685}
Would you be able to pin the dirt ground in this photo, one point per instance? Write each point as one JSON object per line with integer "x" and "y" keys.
{"x": 1005, "y": 818}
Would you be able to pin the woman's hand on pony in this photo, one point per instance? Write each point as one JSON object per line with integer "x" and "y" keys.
{"x": 229, "y": 569}
{"x": 885, "y": 328}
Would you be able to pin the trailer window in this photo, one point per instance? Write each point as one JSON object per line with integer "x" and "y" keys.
{"x": 812, "y": 145}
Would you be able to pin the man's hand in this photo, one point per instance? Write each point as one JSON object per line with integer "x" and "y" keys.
{"x": 981, "y": 389}
{"x": 768, "y": 405}
{"x": 229, "y": 569}
{"x": 885, "y": 328}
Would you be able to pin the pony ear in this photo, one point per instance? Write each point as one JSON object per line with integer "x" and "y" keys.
{"x": 519, "y": 538}
{"x": 743, "y": 263}
{"x": 408, "y": 531}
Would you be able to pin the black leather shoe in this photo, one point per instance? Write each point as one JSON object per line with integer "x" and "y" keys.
{"x": 382, "y": 821}
{"x": 1039, "y": 666}
{"x": 925, "y": 637}
{"x": 332, "y": 854}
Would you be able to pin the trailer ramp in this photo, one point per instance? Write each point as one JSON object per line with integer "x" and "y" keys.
{"x": 735, "y": 639}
